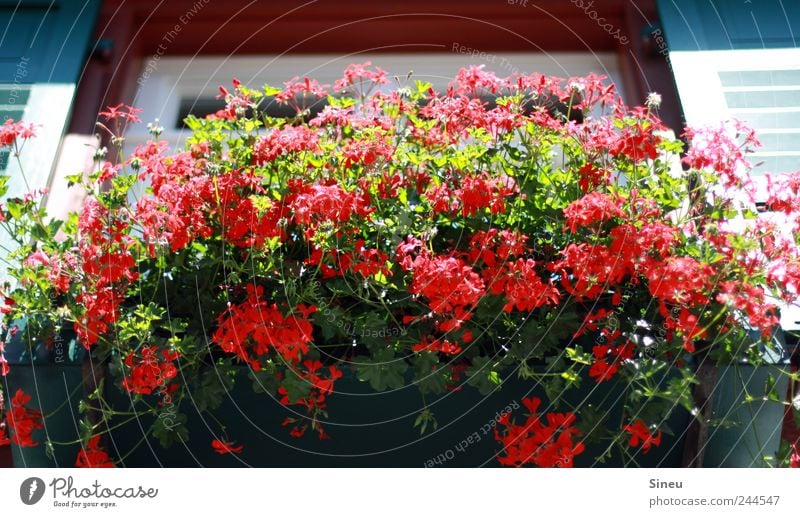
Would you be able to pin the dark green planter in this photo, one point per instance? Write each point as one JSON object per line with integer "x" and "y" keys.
{"x": 53, "y": 376}
{"x": 367, "y": 429}
{"x": 371, "y": 429}
{"x": 755, "y": 441}
{"x": 741, "y": 397}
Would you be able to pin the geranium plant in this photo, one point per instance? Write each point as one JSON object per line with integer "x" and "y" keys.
{"x": 525, "y": 226}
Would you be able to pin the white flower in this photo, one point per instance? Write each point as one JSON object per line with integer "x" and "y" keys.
{"x": 653, "y": 100}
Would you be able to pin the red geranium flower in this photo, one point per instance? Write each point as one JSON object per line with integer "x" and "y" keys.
{"x": 225, "y": 447}
{"x": 641, "y": 436}
{"x": 23, "y": 421}
{"x": 534, "y": 442}
{"x": 148, "y": 371}
{"x": 92, "y": 456}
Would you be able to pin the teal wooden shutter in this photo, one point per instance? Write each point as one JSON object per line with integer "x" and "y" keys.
{"x": 43, "y": 48}
{"x": 730, "y": 24}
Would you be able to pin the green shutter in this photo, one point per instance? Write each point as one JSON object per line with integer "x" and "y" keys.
{"x": 43, "y": 49}
{"x": 730, "y": 24}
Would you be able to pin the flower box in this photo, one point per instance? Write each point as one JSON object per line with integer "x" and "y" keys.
{"x": 396, "y": 242}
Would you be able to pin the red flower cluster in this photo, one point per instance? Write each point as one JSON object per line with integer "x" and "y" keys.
{"x": 321, "y": 381}
{"x": 253, "y": 327}
{"x": 680, "y": 280}
{"x": 471, "y": 194}
{"x": 608, "y": 357}
{"x": 10, "y": 131}
{"x": 362, "y": 261}
{"x": 490, "y": 245}
{"x": 447, "y": 282}
{"x": 592, "y": 177}
{"x": 593, "y": 208}
{"x": 357, "y": 74}
{"x": 313, "y": 205}
{"x": 176, "y": 212}
{"x": 443, "y": 346}
{"x": 236, "y": 103}
{"x": 121, "y": 112}
{"x": 226, "y": 447}
{"x": 108, "y": 268}
{"x": 642, "y": 436}
{"x": 586, "y": 270}
{"x": 523, "y": 288}
{"x": 92, "y": 456}
{"x": 752, "y": 301}
{"x": 723, "y": 149}
{"x": 367, "y": 151}
{"x": 783, "y": 193}
{"x": 637, "y": 141}
{"x": 285, "y": 140}
{"x": 547, "y": 444}
{"x": 57, "y": 268}
{"x": 301, "y": 94}
{"x": 188, "y": 204}
{"x": 22, "y": 421}
{"x": 147, "y": 372}
{"x": 241, "y": 222}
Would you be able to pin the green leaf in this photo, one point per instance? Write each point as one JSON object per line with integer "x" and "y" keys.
{"x": 14, "y": 208}
{"x": 430, "y": 376}
{"x": 483, "y": 376}
{"x": 577, "y": 355}
{"x": 54, "y": 226}
{"x": 331, "y": 322}
{"x": 213, "y": 387}
{"x": 170, "y": 428}
{"x": 372, "y": 330}
{"x": 296, "y": 388}
{"x": 425, "y": 419}
{"x": 264, "y": 381}
{"x": 74, "y": 179}
{"x": 271, "y": 91}
{"x": 382, "y": 371}
{"x": 771, "y": 390}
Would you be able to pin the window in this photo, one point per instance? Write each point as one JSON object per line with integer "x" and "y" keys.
{"x": 760, "y": 87}
{"x": 171, "y": 88}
